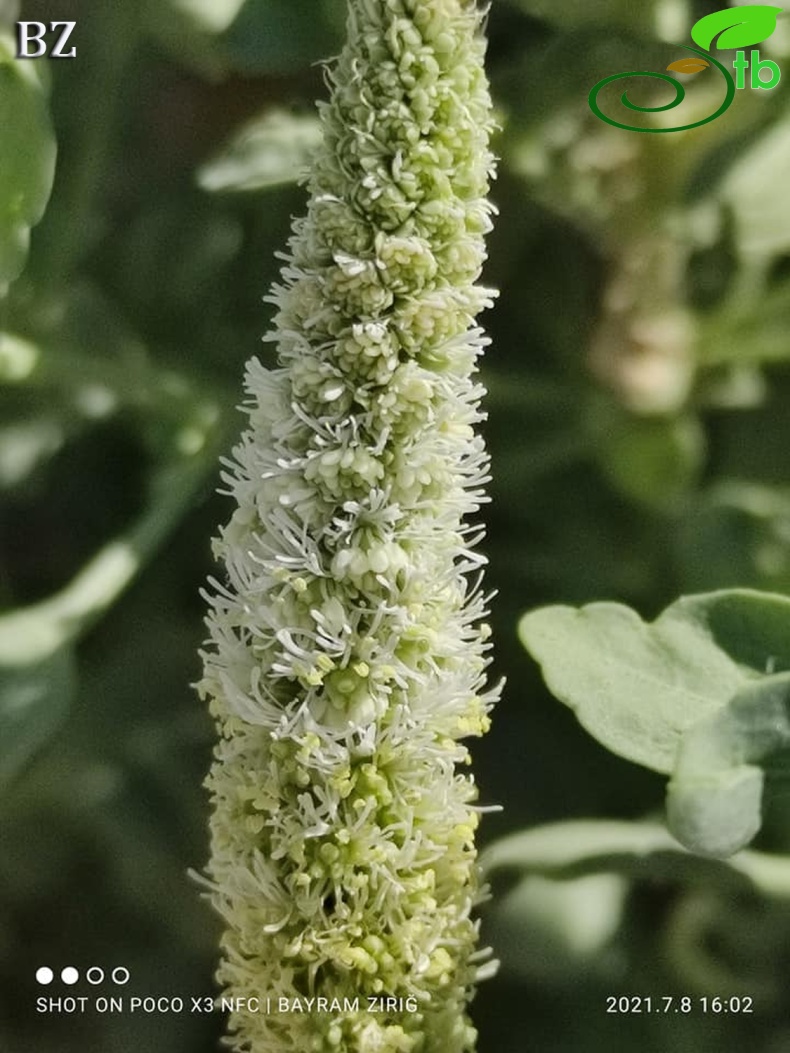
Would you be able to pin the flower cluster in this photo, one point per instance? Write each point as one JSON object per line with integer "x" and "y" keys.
{"x": 348, "y": 656}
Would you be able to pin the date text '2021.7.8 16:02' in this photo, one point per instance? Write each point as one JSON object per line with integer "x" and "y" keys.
{"x": 633, "y": 1004}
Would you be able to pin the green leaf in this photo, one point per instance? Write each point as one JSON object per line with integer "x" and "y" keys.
{"x": 638, "y": 687}
{"x": 27, "y": 157}
{"x": 739, "y": 27}
{"x": 592, "y": 846}
{"x": 714, "y": 798}
{"x": 34, "y": 700}
{"x": 269, "y": 151}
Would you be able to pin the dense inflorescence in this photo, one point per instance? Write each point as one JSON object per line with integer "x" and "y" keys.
{"x": 348, "y": 656}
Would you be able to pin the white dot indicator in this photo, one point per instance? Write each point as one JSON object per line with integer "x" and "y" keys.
{"x": 44, "y": 975}
{"x": 69, "y": 975}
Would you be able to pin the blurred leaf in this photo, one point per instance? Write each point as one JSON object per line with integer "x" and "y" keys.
{"x": 638, "y": 687}
{"x": 186, "y": 40}
{"x": 577, "y": 164}
{"x": 741, "y": 27}
{"x": 277, "y": 36}
{"x": 588, "y": 846}
{"x": 18, "y": 358}
{"x": 570, "y": 14}
{"x": 754, "y": 191}
{"x": 33, "y": 633}
{"x": 563, "y": 849}
{"x": 733, "y": 387}
{"x": 268, "y": 151}
{"x": 751, "y": 332}
{"x": 34, "y": 700}
{"x": 173, "y": 253}
{"x": 179, "y": 424}
{"x": 26, "y": 445}
{"x": 9, "y": 12}
{"x": 213, "y": 16}
{"x": 191, "y": 30}
{"x": 737, "y": 534}
{"x": 714, "y": 798}
{"x": 246, "y": 36}
{"x": 557, "y": 932}
{"x": 555, "y": 75}
{"x": 721, "y": 944}
{"x": 27, "y": 157}
{"x": 653, "y": 460}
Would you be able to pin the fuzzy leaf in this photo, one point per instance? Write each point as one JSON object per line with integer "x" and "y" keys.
{"x": 739, "y": 27}
{"x": 637, "y": 687}
{"x": 714, "y": 798}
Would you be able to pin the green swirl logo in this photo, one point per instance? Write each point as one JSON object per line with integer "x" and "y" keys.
{"x": 740, "y": 28}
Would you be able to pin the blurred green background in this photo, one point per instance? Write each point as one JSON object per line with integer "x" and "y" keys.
{"x": 638, "y": 425}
